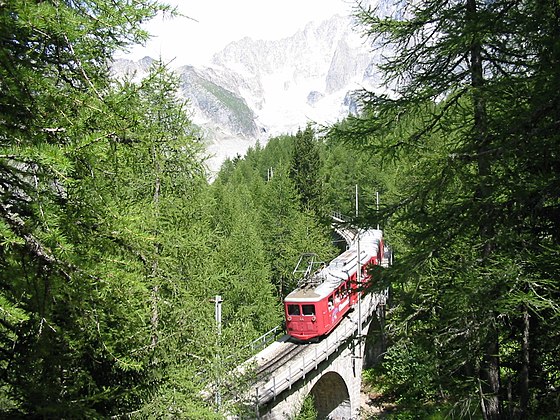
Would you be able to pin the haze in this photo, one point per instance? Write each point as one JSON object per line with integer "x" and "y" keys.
{"x": 208, "y": 26}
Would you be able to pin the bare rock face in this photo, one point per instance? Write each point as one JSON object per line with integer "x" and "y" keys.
{"x": 129, "y": 68}
{"x": 254, "y": 89}
{"x": 216, "y": 104}
{"x": 307, "y": 76}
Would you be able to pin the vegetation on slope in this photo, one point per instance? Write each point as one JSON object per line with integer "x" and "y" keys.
{"x": 112, "y": 242}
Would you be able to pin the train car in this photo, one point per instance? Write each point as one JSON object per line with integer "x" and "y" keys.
{"x": 327, "y": 292}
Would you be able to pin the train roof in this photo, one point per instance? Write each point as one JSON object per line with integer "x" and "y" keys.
{"x": 325, "y": 280}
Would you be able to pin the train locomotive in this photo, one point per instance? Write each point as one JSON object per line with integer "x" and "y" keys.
{"x": 326, "y": 293}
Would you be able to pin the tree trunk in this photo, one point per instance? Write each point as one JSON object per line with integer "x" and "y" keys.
{"x": 155, "y": 315}
{"x": 491, "y": 376}
{"x": 491, "y": 367}
{"x": 524, "y": 374}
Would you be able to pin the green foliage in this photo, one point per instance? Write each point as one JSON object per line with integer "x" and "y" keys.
{"x": 414, "y": 369}
{"x": 112, "y": 243}
{"x": 242, "y": 264}
{"x": 308, "y": 410}
{"x": 304, "y": 169}
{"x": 99, "y": 207}
{"x": 469, "y": 144}
{"x": 346, "y": 166}
{"x": 288, "y": 232}
{"x": 285, "y": 230}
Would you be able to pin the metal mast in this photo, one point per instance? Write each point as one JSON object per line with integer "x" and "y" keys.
{"x": 359, "y": 274}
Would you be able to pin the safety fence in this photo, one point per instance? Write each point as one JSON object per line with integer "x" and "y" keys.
{"x": 266, "y": 339}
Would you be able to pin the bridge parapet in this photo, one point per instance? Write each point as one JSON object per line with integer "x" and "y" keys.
{"x": 266, "y": 339}
{"x": 340, "y": 227}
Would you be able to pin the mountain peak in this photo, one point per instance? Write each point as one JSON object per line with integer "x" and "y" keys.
{"x": 254, "y": 89}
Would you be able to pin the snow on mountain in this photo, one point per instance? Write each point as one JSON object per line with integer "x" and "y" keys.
{"x": 255, "y": 89}
{"x": 301, "y": 78}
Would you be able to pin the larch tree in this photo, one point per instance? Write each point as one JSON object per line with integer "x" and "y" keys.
{"x": 305, "y": 167}
{"x": 289, "y": 231}
{"x": 81, "y": 275}
{"x": 159, "y": 189}
{"x": 471, "y": 107}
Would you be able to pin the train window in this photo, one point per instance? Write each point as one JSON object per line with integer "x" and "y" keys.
{"x": 308, "y": 309}
{"x": 365, "y": 270}
{"x": 330, "y": 303}
{"x": 293, "y": 310}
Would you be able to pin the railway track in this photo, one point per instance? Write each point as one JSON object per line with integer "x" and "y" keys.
{"x": 284, "y": 353}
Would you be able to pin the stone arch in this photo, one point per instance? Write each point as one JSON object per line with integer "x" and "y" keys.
{"x": 332, "y": 399}
{"x": 375, "y": 345}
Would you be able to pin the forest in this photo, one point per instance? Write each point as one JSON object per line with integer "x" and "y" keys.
{"x": 113, "y": 241}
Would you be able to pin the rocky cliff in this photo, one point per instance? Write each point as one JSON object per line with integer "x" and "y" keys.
{"x": 254, "y": 89}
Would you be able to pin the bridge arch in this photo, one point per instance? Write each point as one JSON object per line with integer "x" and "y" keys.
{"x": 374, "y": 343}
{"x": 331, "y": 396}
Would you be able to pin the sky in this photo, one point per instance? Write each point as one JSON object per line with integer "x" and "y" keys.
{"x": 211, "y": 25}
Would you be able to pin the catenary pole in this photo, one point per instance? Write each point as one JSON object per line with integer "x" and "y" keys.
{"x": 377, "y": 207}
{"x": 359, "y": 274}
{"x": 218, "y": 315}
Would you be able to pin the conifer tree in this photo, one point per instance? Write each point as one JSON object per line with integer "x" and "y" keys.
{"x": 462, "y": 115}
{"x": 288, "y": 231}
{"x": 78, "y": 328}
{"x": 305, "y": 167}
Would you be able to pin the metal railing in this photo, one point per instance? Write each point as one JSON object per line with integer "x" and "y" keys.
{"x": 266, "y": 339}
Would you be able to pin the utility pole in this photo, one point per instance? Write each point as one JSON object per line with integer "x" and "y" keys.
{"x": 218, "y": 312}
{"x": 218, "y": 365}
{"x": 359, "y": 275}
{"x": 377, "y": 207}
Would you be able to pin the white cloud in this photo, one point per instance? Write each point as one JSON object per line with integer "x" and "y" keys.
{"x": 210, "y": 25}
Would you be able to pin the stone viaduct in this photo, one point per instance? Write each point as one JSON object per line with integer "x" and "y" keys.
{"x": 329, "y": 370}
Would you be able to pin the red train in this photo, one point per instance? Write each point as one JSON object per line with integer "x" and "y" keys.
{"x": 327, "y": 292}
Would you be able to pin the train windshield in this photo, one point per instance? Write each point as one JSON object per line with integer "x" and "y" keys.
{"x": 308, "y": 309}
{"x": 293, "y": 310}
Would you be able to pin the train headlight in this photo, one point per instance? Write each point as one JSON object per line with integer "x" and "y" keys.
{"x": 289, "y": 318}
{"x": 313, "y": 318}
